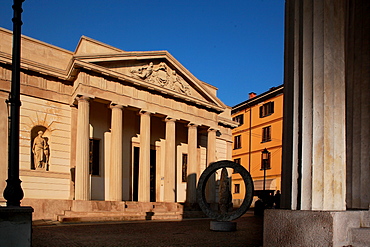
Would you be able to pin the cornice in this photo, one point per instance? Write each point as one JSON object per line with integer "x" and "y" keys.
{"x": 227, "y": 122}
{"x": 259, "y": 98}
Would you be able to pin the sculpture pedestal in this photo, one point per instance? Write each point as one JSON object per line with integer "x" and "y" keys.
{"x": 16, "y": 226}
{"x": 222, "y": 226}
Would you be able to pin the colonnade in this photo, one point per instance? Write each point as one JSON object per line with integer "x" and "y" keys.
{"x": 114, "y": 176}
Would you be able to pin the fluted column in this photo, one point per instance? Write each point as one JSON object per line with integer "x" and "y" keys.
{"x": 144, "y": 162}
{"x": 115, "y": 169}
{"x": 211, "y": 157}
{"x": 192, "y": 163}
{"x": 170, "y": 162}
{"x": 314, "y": 156}
{"x": 82, "y": 188}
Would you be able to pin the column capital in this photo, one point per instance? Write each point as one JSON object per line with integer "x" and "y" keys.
{"x": 81, "y": 97}
{"x": 145, "y": 112}
{"x": 192, "y": 125}
{"x": 210, "y": 129}
{"x": 114, "y": 105}
{"x": 170, "y": 119}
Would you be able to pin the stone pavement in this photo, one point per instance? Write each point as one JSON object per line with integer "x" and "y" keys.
{"x": 188, "y": 232}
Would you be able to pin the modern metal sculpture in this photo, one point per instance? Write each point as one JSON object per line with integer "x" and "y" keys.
{"x": 223, "y": 218}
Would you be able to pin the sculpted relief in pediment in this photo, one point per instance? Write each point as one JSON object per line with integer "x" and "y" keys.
{"x": 163, "y": 76}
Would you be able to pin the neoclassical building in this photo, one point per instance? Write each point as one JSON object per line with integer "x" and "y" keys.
{"x": 102, "y": 124}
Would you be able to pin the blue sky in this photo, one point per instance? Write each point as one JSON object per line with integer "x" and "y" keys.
{"x": 235, "y": 45}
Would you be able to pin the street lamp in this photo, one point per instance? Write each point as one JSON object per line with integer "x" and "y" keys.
{"x": 265, "y": 165}
{"x": 13, "y": 192}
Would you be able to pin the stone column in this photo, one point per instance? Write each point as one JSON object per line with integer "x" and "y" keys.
{"x": 115, "y": 169}
{"x": 170, "y": 161}
{"x": 82, "y": 187}
{"x": 211, "y": 157}
{"x": 314, "y": 170}
{"x": 192, "y": 163}
{"x": 144, "y": 162}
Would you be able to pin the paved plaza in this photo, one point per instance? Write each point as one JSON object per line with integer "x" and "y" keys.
{"x": 188, "y": 232}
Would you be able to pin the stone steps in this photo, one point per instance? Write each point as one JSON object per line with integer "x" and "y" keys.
{"x": 71, "y": 216}
{"x": 85, "y": 211}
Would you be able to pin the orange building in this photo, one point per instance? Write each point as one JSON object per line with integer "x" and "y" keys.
{"x": 260, "y": 128}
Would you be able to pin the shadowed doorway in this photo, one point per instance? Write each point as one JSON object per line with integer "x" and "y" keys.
{"x": 152, "y": 174}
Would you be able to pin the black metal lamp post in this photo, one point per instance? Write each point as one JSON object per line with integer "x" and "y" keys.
{"x": 13, "y": 192}
{"x": 265, "y": 165}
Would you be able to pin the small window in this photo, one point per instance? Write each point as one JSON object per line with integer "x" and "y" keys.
{"x": 94, "y": 157}
{"x": 236, "y": 161}
{"x": 236, "y": 188}
{"x": 239, "y": 119}
{"x": 237, "y": 142}
{"x": 267, "y": 109}
{"x": 266, "y": 134}
{"x": 184, "y": 167}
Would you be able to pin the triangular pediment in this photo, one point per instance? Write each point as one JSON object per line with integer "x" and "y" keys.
{"x": 156, "y": 70}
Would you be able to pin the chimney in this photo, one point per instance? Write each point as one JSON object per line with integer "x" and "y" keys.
{"x": 252, "y": 95}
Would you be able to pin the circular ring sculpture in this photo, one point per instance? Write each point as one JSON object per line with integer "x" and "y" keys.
{"x": 201, "y": 198}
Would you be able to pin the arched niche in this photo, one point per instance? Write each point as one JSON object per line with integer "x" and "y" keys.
{"x": 42, "y": 149}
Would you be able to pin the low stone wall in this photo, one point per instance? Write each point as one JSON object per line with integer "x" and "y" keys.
{"x": 47, "y": 209}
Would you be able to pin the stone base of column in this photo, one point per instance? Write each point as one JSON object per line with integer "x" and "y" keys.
{"x": 16, "y": 226}
{"x": 315, "y": 228}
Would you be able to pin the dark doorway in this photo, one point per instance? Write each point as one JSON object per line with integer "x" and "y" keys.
{"x": 136, "y": 174}
{"x": 152, "y": 174}
{"x": 135, "y": 190}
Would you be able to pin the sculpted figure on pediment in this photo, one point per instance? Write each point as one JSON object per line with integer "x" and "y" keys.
{"x": 179, "y": 84}
{"x": 143, "y": 72}
{"x": 162, "y": 76}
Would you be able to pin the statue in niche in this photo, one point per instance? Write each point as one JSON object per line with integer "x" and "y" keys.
{"x": 40, "y": 150}
{"x": 143, "y": 72}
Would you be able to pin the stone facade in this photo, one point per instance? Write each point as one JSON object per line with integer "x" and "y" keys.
{"x": 119, "y": 126}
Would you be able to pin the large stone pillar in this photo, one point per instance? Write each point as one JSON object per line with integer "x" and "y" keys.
{"x": 211, "y": 157}
{"x": 115, "y": 166}
{"x": 82, "y": 187}
{"x": 326, "y": 129}
{"x": 144, "y": 157}
{"x": 314, "y": 86}
{"x": 192, "y": 163}
{"x": 170, "y": 161}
